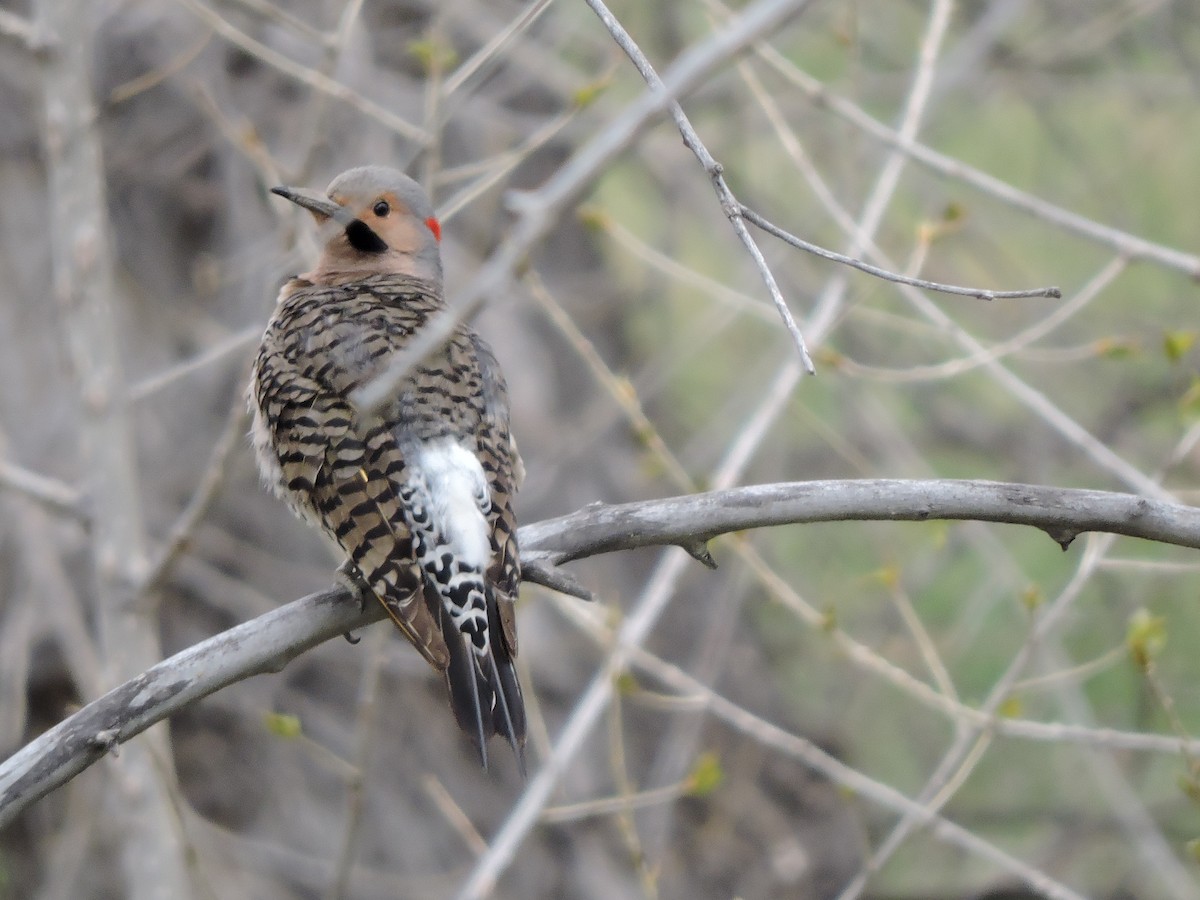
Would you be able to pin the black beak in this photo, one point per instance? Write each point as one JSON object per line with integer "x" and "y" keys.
{"x": 359, "y": 234}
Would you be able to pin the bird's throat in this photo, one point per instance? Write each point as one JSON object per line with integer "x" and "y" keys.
{"x": 363, "y": 239}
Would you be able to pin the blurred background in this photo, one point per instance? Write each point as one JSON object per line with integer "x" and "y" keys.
{"x": 1051, "y": 144}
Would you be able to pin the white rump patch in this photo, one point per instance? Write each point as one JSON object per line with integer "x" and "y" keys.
{"x": 458, "y": 499}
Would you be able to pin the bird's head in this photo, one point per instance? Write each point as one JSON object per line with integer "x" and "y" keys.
{"x": 377, "y": 221}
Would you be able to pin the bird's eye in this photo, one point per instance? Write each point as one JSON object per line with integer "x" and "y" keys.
{"x": 382, "y": 209}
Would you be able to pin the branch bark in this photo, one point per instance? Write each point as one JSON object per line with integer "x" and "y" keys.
{"x": 269, "y": 642}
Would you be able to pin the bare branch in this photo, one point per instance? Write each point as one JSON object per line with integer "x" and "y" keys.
{"x": 883, "y": 795}
{"x": 981, "y": 293}
{"x": 22, "y": 30}
{"x": 227, "y": 346}
{"x": 51, "y": 493}
{"x": 180, "y": 535}
{"x": 1063, "y": 513}
{"x": 1127, "y": 244}
{"x": 487, "y": 54}
{"x": 729, "y": 203}
{"x": 265, "y": 644}
{"x": 310, "y": 77}
{"x": 268, "y": 643}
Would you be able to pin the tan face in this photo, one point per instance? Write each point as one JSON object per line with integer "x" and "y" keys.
{"x": 369, "y": 227}
{"x": 396, "y": 225}
{"x": 397, "y": 242}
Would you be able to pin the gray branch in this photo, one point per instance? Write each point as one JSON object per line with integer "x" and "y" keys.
{"x": 269, "y": 642}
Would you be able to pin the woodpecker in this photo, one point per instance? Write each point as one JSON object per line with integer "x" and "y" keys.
{"x": 416, "y": 494}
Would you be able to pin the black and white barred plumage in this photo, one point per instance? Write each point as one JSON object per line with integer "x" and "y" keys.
{"x": 418, "y": 495}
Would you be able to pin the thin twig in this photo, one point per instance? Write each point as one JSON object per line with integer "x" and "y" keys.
{"x": 771, "y": 735}
{"x": 180, "y": 536}
{"x": 49, "y": 492}
{"x": 495, "y": 168}
{"x": 729, "y": 203}
{"x": 608, "y": 806}
{"x": 305, "y": 75}
{"x": 152, "y": 384}
{"x": 139, "y": 84}
{"x": 283, "y": 17}
{"x": 981, "y": 293}
{"x": 453, "y": 813}
{"x": 487, "y": 54}
{"x": 1123, "y": 242}
{"x": 1007, "y": 347}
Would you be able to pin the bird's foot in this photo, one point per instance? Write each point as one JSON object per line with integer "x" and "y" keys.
{"x": 350, "y": 578}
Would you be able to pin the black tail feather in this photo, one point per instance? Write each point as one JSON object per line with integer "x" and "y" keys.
{"x": 508, "y": 717}
{"x": 485, "y": 694}
{"x": 508, "y": 714}
{"x": 463, "y": 682}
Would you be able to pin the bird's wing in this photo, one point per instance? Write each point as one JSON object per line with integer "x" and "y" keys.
{"x": 340, "y": 475}
{"x": 498, "y": 455}
{"x": 355, "y": 494}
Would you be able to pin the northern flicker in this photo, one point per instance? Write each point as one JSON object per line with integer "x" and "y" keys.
{"x": 418, "y": 494}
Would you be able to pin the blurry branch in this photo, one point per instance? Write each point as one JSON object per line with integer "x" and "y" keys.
{"x": 281, "y": 16}
{"x": 238, "y": 341}
{"x": 310, "y": 77}
{"x": 269, "y": 642}
{"x": 733, "y": 210}
{"x": 365, "y": 728}
{"x": 768, "y": 734}
{"x": 1128, "y": 244}
{"x": 127, "y": 90}
{"x": 488, "y": 54}
{"x": 20, "y": 29}
{"x": 617, "y": 388}
{"x": 698, "y": 695}
{"x": 139, "y": 793}
{"x": 1035, "y": 332}
{"x": 49, "y": 492}
{"x": 537, "y": 211}
{"x": 800, "y": 243}
{"x": 241, "y": 136}
{"x": 434, "y": 62}
{"x": 316, "y": 113}
{"x": 731, "y": 298}
{"x": 180, "y": 535}
{"x": 492, "y": 169}
{"x": 453, "y": 814}
{"x": 40, "y": 544}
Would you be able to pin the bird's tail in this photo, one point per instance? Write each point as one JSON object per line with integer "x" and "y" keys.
{"x": 485, "y": 695}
